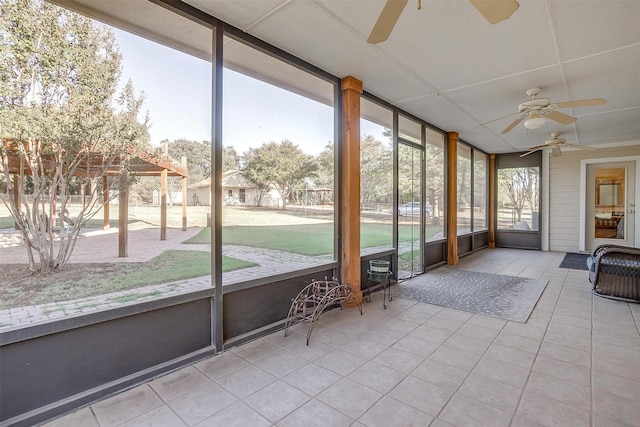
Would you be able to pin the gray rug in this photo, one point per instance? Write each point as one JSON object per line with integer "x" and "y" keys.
{"x": 506, "y": 297}
{"x": 574, "y": 261}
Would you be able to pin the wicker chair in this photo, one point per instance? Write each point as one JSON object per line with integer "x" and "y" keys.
{"x": 614, "y": 272}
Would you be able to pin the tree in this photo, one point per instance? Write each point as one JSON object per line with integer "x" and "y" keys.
{"x": 281, "y": 165}
{"x": 521, "y": 187}
{"x": 376, "y": 170}
{"x": 62, "y": 116}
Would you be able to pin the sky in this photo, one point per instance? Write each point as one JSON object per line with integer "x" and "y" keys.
{"x": 177, "y": 90}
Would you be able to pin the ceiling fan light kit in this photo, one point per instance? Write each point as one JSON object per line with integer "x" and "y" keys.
{"x": 534, "y": 122}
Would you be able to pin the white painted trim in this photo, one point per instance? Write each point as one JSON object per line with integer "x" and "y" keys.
{"x": 544, "y": 201}
{"x": 583, "y": 195}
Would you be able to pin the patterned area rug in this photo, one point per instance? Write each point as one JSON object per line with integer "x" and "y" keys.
{"x": 574, "y": 261}
{"x": 506, "y": 297}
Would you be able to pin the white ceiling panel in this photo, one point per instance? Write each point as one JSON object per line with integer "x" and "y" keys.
{"x": 445, "y": 63}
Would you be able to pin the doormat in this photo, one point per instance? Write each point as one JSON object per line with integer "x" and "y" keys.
{"x": 505, "y": 297}
{"x": 575, "y": 261}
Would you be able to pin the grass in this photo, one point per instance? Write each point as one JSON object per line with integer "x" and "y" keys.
{"x": 307, "y": 239}
{"x": 100, "y": 279}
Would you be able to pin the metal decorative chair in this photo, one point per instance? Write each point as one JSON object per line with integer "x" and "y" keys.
{"x": 380, "y": 272}
{"x": 315, "y": 298}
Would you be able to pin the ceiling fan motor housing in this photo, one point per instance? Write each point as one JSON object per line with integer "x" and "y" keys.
{"x": 534, "y": 104}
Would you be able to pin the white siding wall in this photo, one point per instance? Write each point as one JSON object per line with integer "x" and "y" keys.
{"x": 564, "y": 194}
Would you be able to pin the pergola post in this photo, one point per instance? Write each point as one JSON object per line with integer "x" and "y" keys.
{"x": 350, "y": 203}
{"x": 184, "y": 203}
{"x": 163, "y": 204}
{"x": 105, "y": 202}
{"x": 492, "y": 200}
{"x": 123, "y": 225}
{"x": 452, "y": 199}
{"x": 16, "y": 197}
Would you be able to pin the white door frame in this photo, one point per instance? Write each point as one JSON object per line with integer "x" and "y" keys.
{"x": 583, "y": 195}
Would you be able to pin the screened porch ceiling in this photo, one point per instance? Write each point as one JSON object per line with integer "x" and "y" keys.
{"x": 444, "y": 63}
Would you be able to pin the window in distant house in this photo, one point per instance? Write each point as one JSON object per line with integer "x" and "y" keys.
{"x": 230, "y": 194}
{"x": 242, "y": 195}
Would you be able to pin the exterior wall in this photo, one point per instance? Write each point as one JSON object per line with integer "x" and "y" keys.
{"x": 564, "y": 194}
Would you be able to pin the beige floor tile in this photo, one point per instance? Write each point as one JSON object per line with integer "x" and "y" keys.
{"x": 255, "y": 350}
{"x": 246, "y": 381}
{"x": 449, "y": 325}
{"x": 614, "y": 384}
{"x": 159, "y": 417}
{"x": 236, "y": 415}
{"x": 566, "y": 354}
{"x": 468, "y": 344}
{"x": 399, "y": 360}
{"x": 317, "y": 412}
{"x": 518, "y": 342}
{"x": 383, "y": 336}
{"x": 391, "y": 412}
{"x": 80, "y": 418}
{"x": 425, "y": 332}
{"x": 377, "y": 377}
{"x": 487, "y": 322}
{"x": 510, "y": 355}
{"x": 620, "y": 367}
{"x": 311, "y": 352}
{"x": 277, "y": 400}
{"x": 550, "y": 413}
{"x": 563, "y": 370}
{"x": 429, "y": 309}
{"x": 201, "y": 403}
{"x": 440, "y": 374}
{"x": 502, "y": 372}
{"x": 454, "y": 357}
{"x": 572, "y": 394}
{"x": 340, "y": 362}
{"x": 579, "y": 343}
{"x": 478, "y": 332}
{"x": 366, "y": 349}
{"x": 126, "y": 406}
{"x": 177, "y": 383}
{"x": 312, "y": 379}
{"x": 628, "y": 354}
{"x": 422, "y": 395}
{"x": 415, "y": 345}
{"x": 414, "y": 316}
{"x": 349, "y": 397}
{"x": 404, "y": 326}
{"x": 616, "y": 408}
{"x": 462, "y": 411}
{"x": 459, "y": 315}
{"x": 491, "y": 392}
{"x": 281, "y": 363}
{"x": 571, "y": 330}
{"x": 221, "y": 365}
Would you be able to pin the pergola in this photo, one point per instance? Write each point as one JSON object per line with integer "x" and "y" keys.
{"x": 140, "y": 164}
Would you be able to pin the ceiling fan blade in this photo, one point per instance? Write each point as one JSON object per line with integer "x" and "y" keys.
{"x": 529, "y": 152}
{"x": 559, "y": 117}
{"x": 581, "y": 147}
{"x": 514, "y": 124}
{"x": 499, "y": 118}
{"x": 582, "y": 103}
{"x": 495, "y": 11}
{"x": 386, "y": 21}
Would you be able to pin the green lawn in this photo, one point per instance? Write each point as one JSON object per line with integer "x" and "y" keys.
{"x": 307, "y": 239}
{"x": 101, "y": 279}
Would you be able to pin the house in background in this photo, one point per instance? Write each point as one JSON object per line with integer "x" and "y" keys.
{"x": 237, "y": 190}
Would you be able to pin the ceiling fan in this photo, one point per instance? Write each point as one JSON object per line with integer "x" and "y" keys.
{"x": 494, "y": 11}
{"x": 536, "y": 110}
{"x": 555, "y": 143}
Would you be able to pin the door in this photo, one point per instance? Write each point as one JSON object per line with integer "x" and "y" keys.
{"x": 411, "y": 211}
{"x": 610, "y": 204}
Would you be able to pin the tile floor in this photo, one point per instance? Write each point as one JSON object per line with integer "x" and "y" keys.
{"x": 575, "y": 362}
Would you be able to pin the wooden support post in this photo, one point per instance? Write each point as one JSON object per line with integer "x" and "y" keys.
{"x": 16, "y": 197}
{"x": 350, "y": 203}
{"x": 452, "y": 199}
{"x": 123, "y": 225}
{"x": 105, "y": 201}
{"x": 163, "y": 204}
{"x": 184, "y": 203}
{"x": 492, "y": 200}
